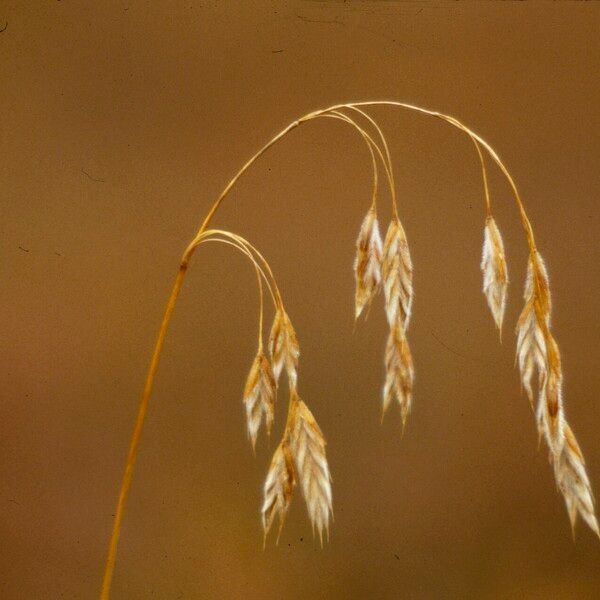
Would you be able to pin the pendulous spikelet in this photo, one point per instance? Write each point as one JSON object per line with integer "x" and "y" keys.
{"x": 259, "y": 396}
{"x": 399, "y": 372}
{"x": 279, "y": 486}
{"x": 299, "y": 458}
{"x": 550, "y": 411}
{"x": 495, "y": 275}
{"x": 573, "y": 482}
{"x": 533, "y": 322}
{"x": 284, "y": 348}
{"x": 537, "y": 349}
{"x": 367, "y": 264}
{"x": 308, "y": 449}
{"x": 397, "y": 271}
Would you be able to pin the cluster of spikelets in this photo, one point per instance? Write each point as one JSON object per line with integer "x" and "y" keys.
{"x": 300, "y": 456}
{"x": 388, "y": 266}
{"x": 538, "y": 355}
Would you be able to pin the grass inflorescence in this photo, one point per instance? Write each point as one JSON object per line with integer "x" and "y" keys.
{"x": 383, "y": 266}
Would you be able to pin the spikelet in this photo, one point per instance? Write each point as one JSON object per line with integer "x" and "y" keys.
{"x": 550, "y": 411}
{"x": 367, "y": 264}
{"x": 397, "y": 271}
{"x": 399, "y": 372}
{"x": 284, "y": 348}
{"x": 308, "y": 449}
{"x": 278, "y": 489}
{"x": 533, "y": 322}
{"x": 495, "y": 275}
{"x": 259, "y": 396}
{"x": 537, "y": 349}
{"x": 573, "y": 482}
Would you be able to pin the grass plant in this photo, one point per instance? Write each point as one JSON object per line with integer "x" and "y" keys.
{"x": 381, "y": 264}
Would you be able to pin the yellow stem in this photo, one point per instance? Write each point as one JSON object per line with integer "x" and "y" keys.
{"x": 137, "y": 431}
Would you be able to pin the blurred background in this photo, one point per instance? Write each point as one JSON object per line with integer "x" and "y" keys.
{"x": 121, "y": 122}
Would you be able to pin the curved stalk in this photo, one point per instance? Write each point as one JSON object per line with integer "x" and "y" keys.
{"x": 253, "y": 251}
{"x": 341, "y": 117}
{"x": 493, "y": 154}
{"x": 390, "y": 168}
{"x": 260, "y": 275}
{"x": 148, "y": 385}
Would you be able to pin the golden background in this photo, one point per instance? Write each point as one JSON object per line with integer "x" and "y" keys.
{"x": 120, "y": 123}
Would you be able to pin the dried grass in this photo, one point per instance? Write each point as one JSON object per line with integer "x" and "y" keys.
{"x": 300, "y": 457}
{"x": 538, "y": 353}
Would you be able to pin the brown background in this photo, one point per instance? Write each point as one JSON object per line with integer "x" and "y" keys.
{"x": 120, "y": 122}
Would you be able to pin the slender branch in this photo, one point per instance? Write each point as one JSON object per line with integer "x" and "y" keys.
{"x": 486, "y": 189}
{"x": 260, "y": 275}
{"x": 253, "y": 250}
{"x": 341, "y": 117}
{"x": 493, "y": 154}
{"x": 372, "y": 144}
{"x": 387, "y": 154}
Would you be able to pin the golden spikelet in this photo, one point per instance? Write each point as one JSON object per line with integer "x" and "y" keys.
{"x": 399, "y": 372}
{"x": 550, "y": 412}
{"x": 397, "y": 271}
{"x": 367, "y": 264}
{"x": 537, "y": 349}
{"x": 532, "y": 324}
{"x": 259, "y": 396}
{"x": 307, "y": 444}
{"x": 284, "y": 348}
{"x": 495, "y": 275}
{"x": 278, "y": 488}
{"x": 573, "y": 482}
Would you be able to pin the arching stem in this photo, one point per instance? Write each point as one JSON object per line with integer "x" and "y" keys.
{"x": 143, "y": 404}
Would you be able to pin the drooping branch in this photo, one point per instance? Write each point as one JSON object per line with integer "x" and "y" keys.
{"x": 302, "y": 433}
